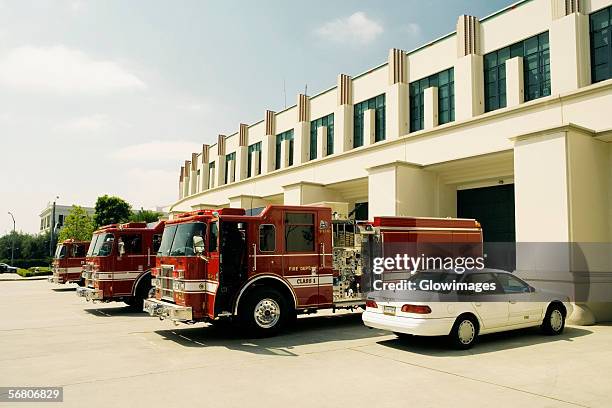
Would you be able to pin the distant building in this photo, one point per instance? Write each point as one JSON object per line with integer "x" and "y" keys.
{"x": 61, "y": 212}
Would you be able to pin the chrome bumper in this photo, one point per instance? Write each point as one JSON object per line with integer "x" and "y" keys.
{"x": 89, "y": 293}
{"x": 165, "y": 310}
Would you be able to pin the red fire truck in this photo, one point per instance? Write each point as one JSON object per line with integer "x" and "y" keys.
{"x": 119, "y": 262}
{"x": 262, "y": 270}
{"x": 68, "y": 261}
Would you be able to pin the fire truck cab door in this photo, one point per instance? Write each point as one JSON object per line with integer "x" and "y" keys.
{"x": 302, "y": 255}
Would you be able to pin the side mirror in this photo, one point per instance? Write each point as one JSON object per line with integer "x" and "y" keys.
{"x": 531, "y": 289}
{"x": 198, "y": 245}
{"x": 121, "y": 247}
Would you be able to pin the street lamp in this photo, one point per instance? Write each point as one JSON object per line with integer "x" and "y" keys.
{"x": 12, "y": 240}
{"x": 52, "y": 227}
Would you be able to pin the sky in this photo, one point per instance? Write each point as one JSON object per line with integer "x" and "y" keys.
{"x": 110, "y": 96}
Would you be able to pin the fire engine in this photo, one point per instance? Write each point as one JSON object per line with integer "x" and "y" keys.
{"x": 262, "y": 270}
{"x": 68, "y": 261}
{"x": 119, "y": 262}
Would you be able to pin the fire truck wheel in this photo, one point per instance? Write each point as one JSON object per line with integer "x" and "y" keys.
{"x": 81, "y": 282}
{"x": 264, "y": 312}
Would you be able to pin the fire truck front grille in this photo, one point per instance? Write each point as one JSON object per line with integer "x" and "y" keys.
{"x": 166, "y": 282}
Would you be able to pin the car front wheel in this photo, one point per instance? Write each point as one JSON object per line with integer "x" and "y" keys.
{"x": 554, "y": 321}
{"x": 464, "y": 333}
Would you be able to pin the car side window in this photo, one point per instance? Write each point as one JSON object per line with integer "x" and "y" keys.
{"x": 512, "y": 284}
{"x": 481, "y": 278}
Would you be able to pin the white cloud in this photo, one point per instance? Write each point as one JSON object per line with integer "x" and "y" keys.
{"x": 357, "y": 27}
{"x": 156, "y": 150}
{"x": 86, "y": 124}
{"x": 63, "y": 70}
{"x": 412, "y": 29}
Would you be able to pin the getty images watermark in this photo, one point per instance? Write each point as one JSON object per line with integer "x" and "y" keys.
{"x": 402, "y": 264}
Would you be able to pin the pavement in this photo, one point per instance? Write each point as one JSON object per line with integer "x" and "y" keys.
{"x": 106, "y": 355}
{"x": 17, "y": 277}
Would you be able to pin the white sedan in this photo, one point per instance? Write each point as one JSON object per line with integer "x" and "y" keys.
{"x": 512, "y": 304}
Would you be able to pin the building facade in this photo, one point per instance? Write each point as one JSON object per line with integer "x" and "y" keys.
{"x": 505, "y": 120}
{"x": 61, "y": 212}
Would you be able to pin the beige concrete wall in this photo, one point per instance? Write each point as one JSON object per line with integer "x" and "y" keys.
{"x": 588, "y": 172}
{"x": 541, "y": 189}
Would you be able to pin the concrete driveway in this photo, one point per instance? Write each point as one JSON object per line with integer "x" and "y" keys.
{"x": 105, "y": 355}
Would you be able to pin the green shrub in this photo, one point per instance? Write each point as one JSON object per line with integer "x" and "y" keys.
{"x": 34, "y": 271}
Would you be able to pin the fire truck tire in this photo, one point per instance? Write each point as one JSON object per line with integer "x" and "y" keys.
{"x": 81, "y": 282}
{"x": 143, "y": 291}
{"x": 264, "y": 312}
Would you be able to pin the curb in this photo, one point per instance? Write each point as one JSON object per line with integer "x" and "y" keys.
{"x": 33, "y": 278}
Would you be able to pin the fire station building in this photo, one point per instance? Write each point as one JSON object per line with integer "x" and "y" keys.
{"x": 507, "y": 120}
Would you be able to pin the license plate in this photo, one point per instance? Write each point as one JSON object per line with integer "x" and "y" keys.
{"x": 389, "y": 310}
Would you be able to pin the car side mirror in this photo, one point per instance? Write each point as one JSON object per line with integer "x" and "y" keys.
{"x": 531, "y": 289}
{"x": 121, "y": 247}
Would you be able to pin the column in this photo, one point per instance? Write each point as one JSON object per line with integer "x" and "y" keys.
{"x": 369, "y": 127}
{"x": 205, "y": 171}
{"x": 343, "y": 115}
{"x": 401, "y": 189}
{"x": 220, "y": 166}
{"x": 186, "y": 178}
{"x": 181, "y": 182}
{"x": 515, "y": 85}
{"x": 193, "y": 189}
{"x": 430, "y": 100}
{"x": 469, "y": 77}
{"x": 284, "y": 154}
{"x": 301, "y": 132}
{"x": 570, "y": 58}
{"x": 562, "y": 194}
{"x": 305, "y": 193}
{"x": 241, "y": 153}
{"x": 321, "y": 142}
{"x": 396, "y": 99}
{"x": 268, "y": 145}
{"x": 255, "y": 170}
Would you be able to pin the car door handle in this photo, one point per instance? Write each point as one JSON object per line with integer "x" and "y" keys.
{"x": 477, "y": 303}
{"x": 512, "y": 301}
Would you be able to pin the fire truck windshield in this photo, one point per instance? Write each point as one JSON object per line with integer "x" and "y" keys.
{"x": 177, "y": 239}
{"x": 60, "y": 252}
{"x": 92, "y": 244}
{"x": 104, "y": 245}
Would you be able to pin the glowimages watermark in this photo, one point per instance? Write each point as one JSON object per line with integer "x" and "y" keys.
{"x": 402, "y": 264}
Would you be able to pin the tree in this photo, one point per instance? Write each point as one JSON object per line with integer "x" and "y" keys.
{"x": 145, "y": 216}
{"x": 78, "y": 225}
{"x": 111, "y": 210}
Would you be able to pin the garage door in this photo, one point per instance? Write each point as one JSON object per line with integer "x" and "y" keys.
{"x": 493, "y": 207}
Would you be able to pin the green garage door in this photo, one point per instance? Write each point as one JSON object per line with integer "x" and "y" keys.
{"x": 493, "y": 207}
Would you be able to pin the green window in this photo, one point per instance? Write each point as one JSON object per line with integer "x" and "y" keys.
{"x": 536, "y": 71}
{"x": 601, "y": 44}
{"x": 288, "y": 135}
{"x": 314, "y": 125}
{"x": 228, "y": 158}
{"x": 445, "y": 81}
{"x": 378, "y": 104}
{"x": 251, "y": 149}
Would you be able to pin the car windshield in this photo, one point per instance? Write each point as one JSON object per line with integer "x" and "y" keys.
{"x": 60, "y": 252}
{"x": 166, "y": 241}
{"x": 104, "y": 245}
{"x": 182, "y": 244}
